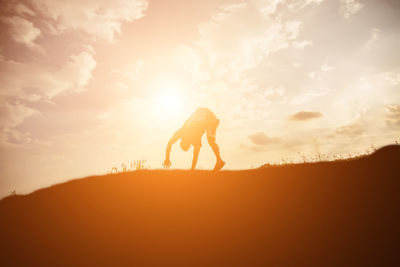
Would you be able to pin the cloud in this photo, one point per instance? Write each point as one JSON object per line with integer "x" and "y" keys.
{"x": 302, "y": 44}
{"x": 304, "y": 97}
{"x": 351, "y": 130}
{"x": 393, "y": 115}
{"x": 305, "y": 115}
{"x": 11, "y": 137}
{"x": 13, "y": 114}
{"x": 235, "y": 51}
{"x": 350, "y": 7}
{"x": 21, "y": 30}
{"x": 101, "y": 18}
{"x": 260, "y": 138}
{"x": 77, "y": 72}
{"x": 392, "y": 78}
{"x": 238, "y": 38}
{"x": 32, "y": 81}
{"x": 132, "y": 71}
{"x": 375, "y": 32}
{"x": 269, "y": 7}
{"x": 22, "y": 9}
{"x": 297, "y": 5}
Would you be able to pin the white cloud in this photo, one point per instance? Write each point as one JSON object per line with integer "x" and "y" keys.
{"x": 133, "y": 70}
{"x": 101, "y": 18}
{"x": 239, "y": 38}
{"x": 308, "y": 95}
{"x": 13, "y": 138}
{"x": 350, "y": 7}
{"x": 31, "y": 81}
{"x": 393, "y": 115}
{"x": 77, "y": 72}
{"x": 22, "y": 9}
{"x": 375, "y": 32}
{"x": 13, "y": 114}
{"x": 326, "y": 68}
{"x": 22, "y": 31}
{"x": 296, "y": 5}
{"x": 391, "y": 77}
{"x": 351, "y": 130}
{"x": 240, "y": 53}
{"x": 321, "y": 73}
{"x": 128, "y": 73}
{"x": 302, "y": 44}
{"x": 292, "y": 29}
{"x": 268, "y": 7}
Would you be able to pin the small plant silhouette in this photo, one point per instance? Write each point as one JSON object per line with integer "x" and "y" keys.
{"x": 319, "y": 157}
{"x": 13, "y": 193}
{"x": 133, "y": 166}
{"x": 303, "y": 157}
{"x": 139, "y": 165}
{"x": 123, "y": 166}
{"x": 373, "y": 148}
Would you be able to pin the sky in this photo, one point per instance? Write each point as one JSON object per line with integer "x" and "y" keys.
{"x": 86, "y": 85}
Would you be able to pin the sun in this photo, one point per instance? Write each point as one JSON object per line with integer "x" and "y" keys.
{"x": 168, "y": 99}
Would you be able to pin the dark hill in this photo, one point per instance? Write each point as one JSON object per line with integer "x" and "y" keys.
{"x": 337, "y": 213}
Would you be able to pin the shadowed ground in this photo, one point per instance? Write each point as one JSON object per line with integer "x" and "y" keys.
{"x": 340, "y": 213}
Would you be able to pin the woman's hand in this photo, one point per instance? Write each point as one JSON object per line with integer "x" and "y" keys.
{"x": 167, "y": 164}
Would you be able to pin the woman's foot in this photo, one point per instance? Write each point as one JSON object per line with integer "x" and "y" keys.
{"x": 219, "y": 165}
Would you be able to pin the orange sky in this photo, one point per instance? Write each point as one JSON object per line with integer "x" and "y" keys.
{"x": 88, "y": 85}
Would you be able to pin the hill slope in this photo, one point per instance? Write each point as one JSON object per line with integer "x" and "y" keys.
{"x": 308, "y": 214}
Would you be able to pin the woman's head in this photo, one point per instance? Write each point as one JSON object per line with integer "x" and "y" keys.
{"x": 185, "y": 145}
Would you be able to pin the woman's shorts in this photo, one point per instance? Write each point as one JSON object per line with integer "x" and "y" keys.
{"x": 211, "y": 129}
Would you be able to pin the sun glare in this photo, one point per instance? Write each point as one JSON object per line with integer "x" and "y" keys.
{"x": 168, "y": 99}
{"x": 169, "y": 102}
